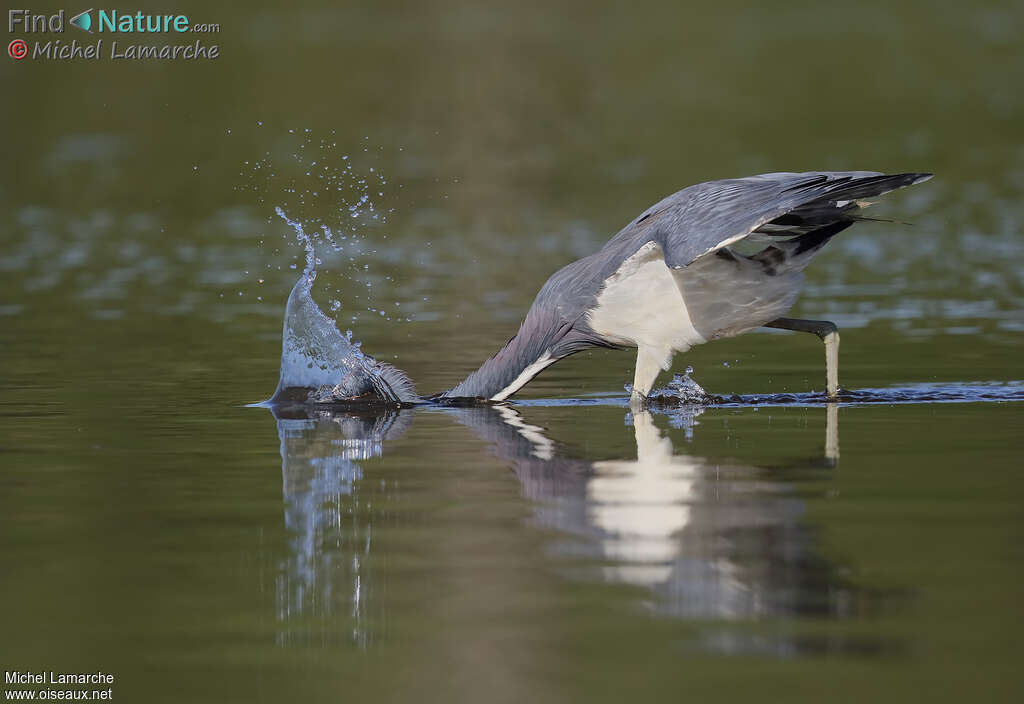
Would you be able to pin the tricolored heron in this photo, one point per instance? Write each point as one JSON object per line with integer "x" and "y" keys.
{"x": 677, "y": 276}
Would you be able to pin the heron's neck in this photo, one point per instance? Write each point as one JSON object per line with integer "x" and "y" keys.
{"x": 523, "y": 358}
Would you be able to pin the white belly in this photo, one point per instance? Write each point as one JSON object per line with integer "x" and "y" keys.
{"x": 641, "y": 306}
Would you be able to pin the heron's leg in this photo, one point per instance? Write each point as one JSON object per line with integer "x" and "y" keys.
{"x": 829, "y": 334}
{"x": 649, "y": 363}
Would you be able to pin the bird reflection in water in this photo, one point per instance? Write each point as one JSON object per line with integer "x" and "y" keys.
{"x": 710, "y": 538}
{"x": 704, "y": 538}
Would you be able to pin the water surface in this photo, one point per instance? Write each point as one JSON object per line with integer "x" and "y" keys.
{"x": 767, "y": 546}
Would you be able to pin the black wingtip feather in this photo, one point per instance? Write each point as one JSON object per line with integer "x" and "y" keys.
{"x": 853, "y": 189}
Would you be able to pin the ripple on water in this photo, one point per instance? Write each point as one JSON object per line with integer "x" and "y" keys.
{"x": 684, "y": 392}
{"x": 954, "y": 392}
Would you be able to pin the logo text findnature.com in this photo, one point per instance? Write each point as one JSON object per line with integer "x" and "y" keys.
{"x": 108, "y": 21}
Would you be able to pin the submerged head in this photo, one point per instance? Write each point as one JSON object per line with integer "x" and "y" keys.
{"x": 320, "y": 365}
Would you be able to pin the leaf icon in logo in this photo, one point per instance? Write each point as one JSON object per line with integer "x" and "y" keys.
{"x": 83, "y": 20}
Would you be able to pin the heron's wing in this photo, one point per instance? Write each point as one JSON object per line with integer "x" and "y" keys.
{"x": 709, "y": 216}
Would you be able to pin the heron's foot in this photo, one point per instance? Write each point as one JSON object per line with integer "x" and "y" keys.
{"x": 637, "y": 402}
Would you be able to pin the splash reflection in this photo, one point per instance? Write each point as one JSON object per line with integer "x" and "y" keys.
{"x": 330, "y": 537}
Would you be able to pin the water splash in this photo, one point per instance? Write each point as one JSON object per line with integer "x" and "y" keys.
{"x": 345, "y": 202}
{"x": 682, "y": 390}
{"x": 307, "y": 244}
{"x": 318, "y": 363}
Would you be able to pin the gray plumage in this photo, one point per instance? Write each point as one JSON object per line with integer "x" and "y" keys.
{"x": 787, "y": 216}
